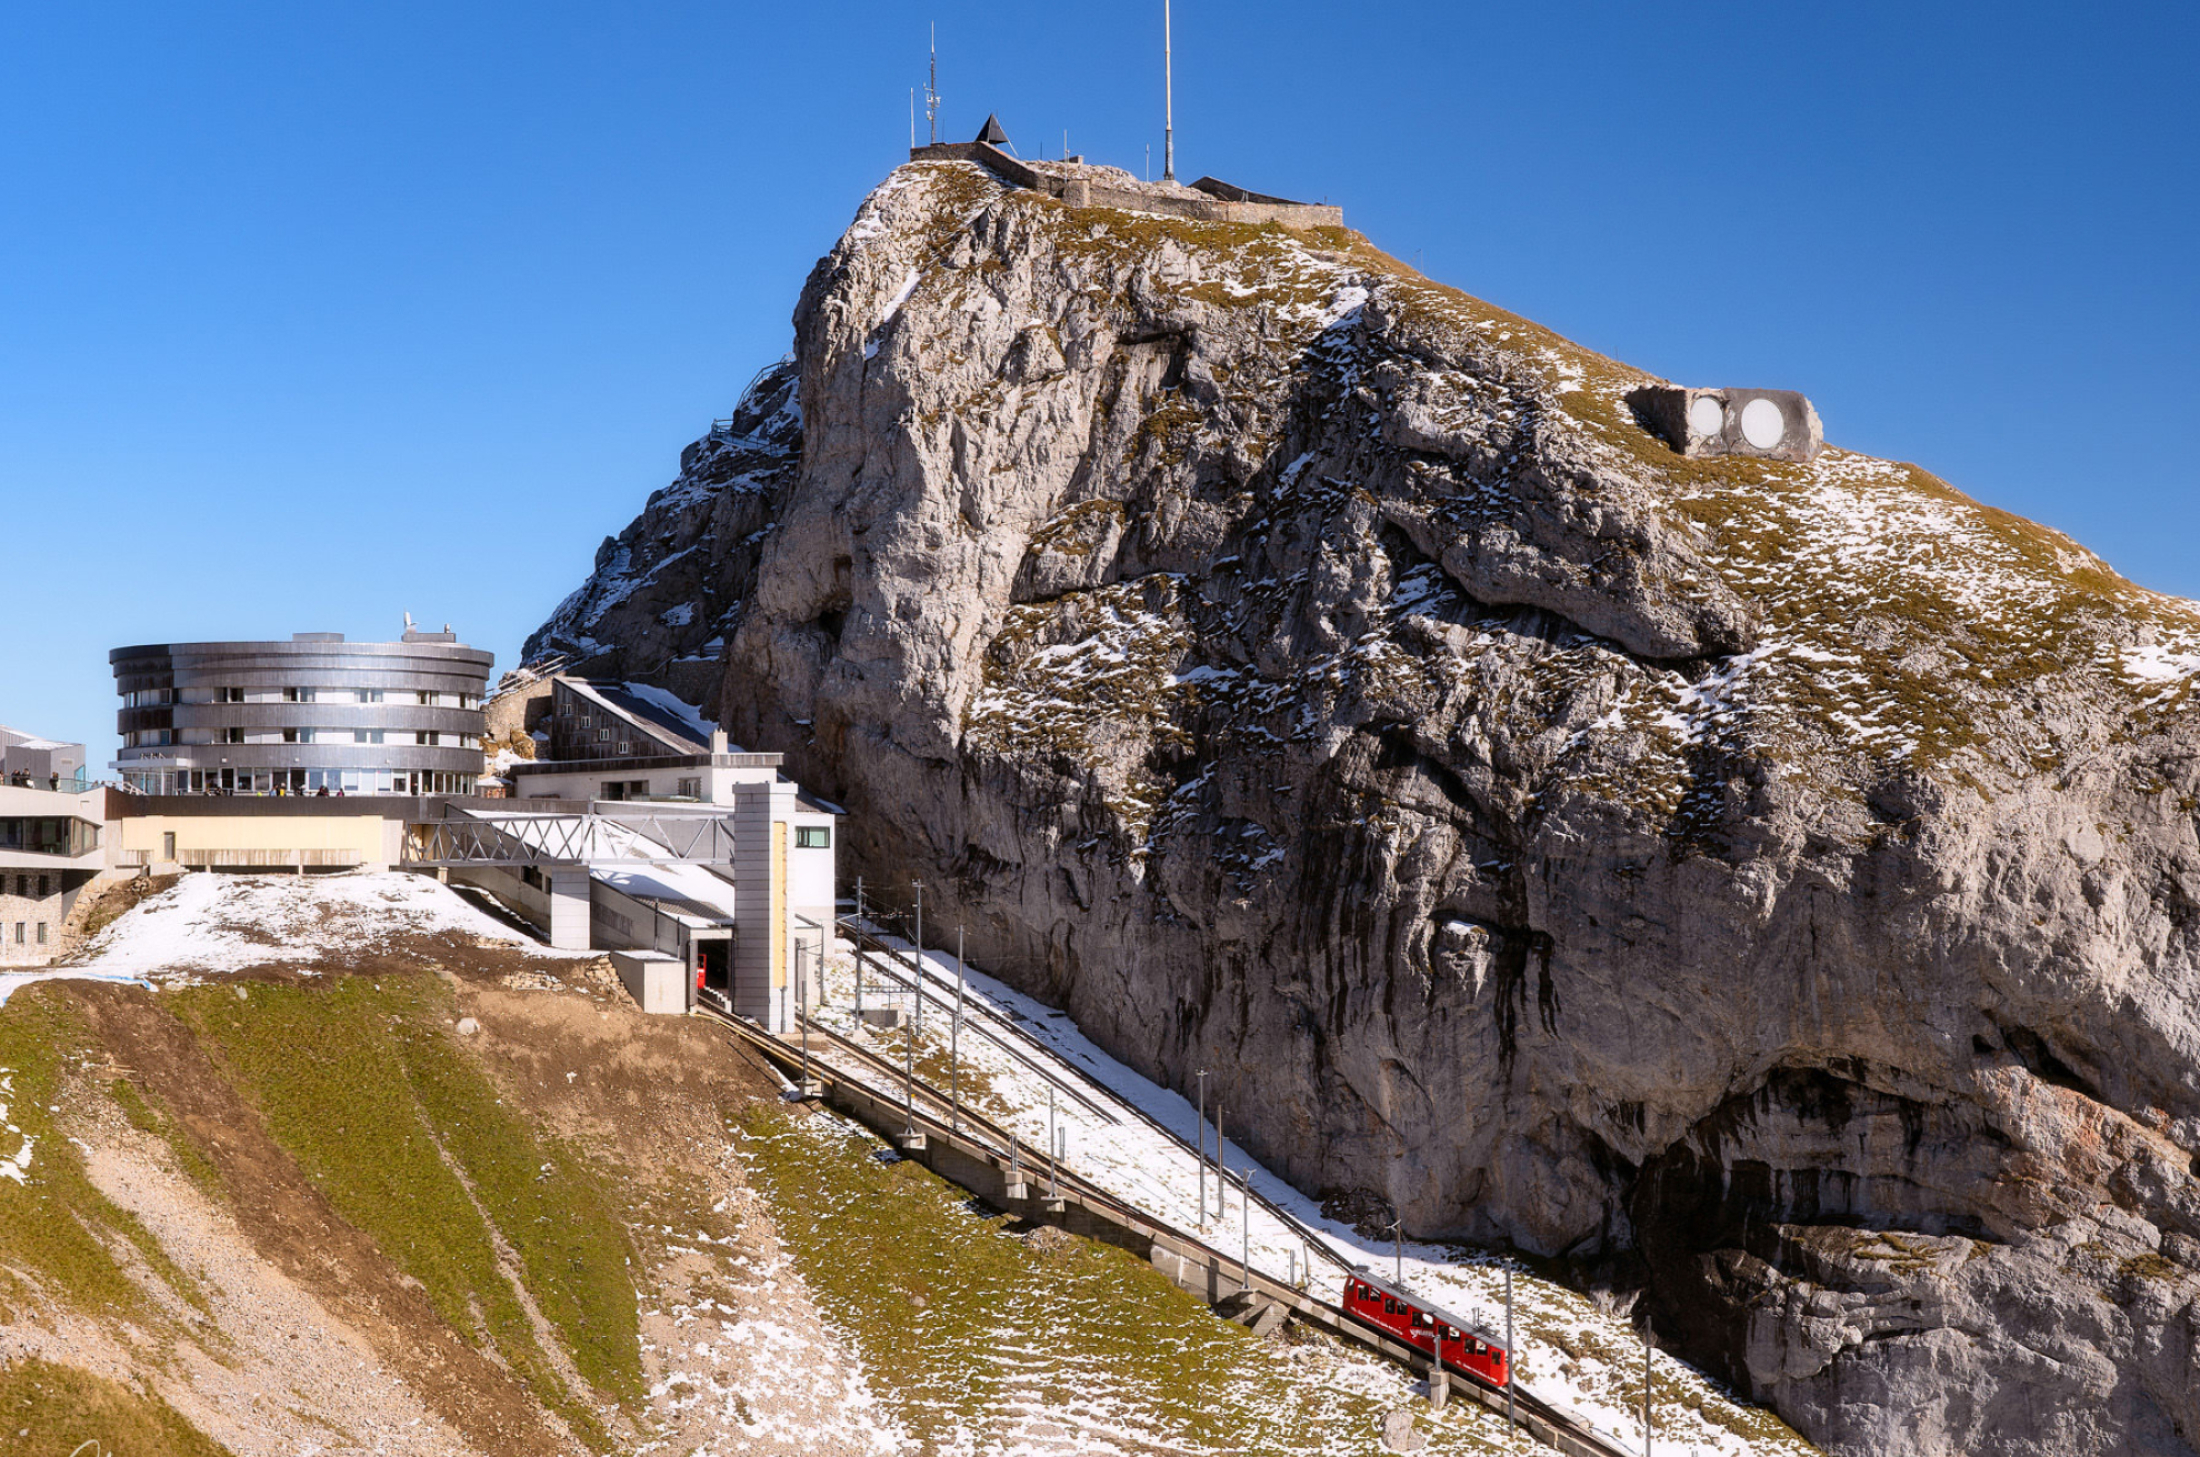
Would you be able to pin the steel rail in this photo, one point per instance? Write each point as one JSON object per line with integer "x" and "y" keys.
{"x": 1312, "y": 1238}
{"x": 929, "y": 991}
{"x": 1131, "y": 1217}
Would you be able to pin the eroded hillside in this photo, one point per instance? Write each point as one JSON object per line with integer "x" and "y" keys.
{"x": 350, "y": 1168}
{"x": 1769, "y": 887}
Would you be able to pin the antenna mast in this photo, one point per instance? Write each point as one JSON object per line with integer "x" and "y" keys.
{"x": 1168, "y": 100}
{"x": 932, "y": 88}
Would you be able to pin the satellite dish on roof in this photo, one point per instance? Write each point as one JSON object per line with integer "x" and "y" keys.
{"x": 992, "y": 134}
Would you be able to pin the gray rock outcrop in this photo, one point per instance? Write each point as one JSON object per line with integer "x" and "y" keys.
{"x": 1774, "y": 885}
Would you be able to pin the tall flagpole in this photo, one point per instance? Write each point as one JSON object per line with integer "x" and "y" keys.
{"x": 1168, "y": 100}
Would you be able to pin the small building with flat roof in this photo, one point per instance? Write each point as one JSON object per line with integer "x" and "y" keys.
{"x": 52, "y": 845}
{"x": 29, "y": 760}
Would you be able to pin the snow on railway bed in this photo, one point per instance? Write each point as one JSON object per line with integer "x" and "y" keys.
{"x": 1581, "y": 1360}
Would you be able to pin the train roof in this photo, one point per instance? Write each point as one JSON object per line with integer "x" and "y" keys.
{"x": 1456, "y": 1321}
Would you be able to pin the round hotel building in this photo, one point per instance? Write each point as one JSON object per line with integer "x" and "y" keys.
{"x": 312, "y": 715}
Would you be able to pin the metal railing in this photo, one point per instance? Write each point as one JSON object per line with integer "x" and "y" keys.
{"x": 603, "y": 839}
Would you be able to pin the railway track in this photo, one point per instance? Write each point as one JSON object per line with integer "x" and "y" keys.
{"x": 867, "y": 938}
{"x": 1311, "y": 1238}
{"x": 927, "y": 1105}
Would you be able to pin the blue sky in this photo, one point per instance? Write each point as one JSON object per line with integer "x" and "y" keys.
{"x": 311, "y": 315}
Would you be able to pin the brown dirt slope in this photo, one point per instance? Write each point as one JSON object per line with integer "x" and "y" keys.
{"x": 268, "y": 1244}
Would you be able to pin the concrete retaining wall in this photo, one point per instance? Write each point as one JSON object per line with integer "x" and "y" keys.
{"x": 1223, "y": 203}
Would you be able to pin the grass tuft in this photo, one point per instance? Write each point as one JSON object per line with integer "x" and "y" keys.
{"x": 360, "y": 1083}
{"x": 53, "y": 1411}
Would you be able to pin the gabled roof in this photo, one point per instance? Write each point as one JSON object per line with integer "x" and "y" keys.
{"x": 647, "y": 710}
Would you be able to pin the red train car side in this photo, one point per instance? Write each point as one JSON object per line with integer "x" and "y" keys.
{"x": 1420, "y": 1323}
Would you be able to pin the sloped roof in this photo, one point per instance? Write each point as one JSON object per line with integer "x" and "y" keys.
{"x": 649, "y": 712}
{"x": 991, "y": 133}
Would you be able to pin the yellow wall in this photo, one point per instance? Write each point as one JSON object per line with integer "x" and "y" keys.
{"x": 253, "y": 839}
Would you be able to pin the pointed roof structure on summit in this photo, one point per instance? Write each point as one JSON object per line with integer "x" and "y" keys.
{"x": 992, "y": 134}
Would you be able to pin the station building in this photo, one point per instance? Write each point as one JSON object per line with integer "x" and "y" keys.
{"x": 53, "y": 843}
{"x": 636, "y": 747}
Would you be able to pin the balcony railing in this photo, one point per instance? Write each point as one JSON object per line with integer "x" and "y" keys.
{"x": 76, "y": 785}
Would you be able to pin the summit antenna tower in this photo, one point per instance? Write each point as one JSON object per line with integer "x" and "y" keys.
{"x": 932, "y": 89}
{"x": 1168, "y": 100}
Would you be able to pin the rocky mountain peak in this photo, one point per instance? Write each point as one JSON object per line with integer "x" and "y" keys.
{"x": 1768, "y": 885}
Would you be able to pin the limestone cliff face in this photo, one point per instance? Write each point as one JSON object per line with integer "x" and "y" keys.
{"x": 1775, "y": 883}
{"x": 658, "y": 605}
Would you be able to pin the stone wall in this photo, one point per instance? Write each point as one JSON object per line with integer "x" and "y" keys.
{"x": 1216, "y": 202}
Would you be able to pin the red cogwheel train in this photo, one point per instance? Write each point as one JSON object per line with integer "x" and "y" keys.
{"x": 1421, "y": 1324}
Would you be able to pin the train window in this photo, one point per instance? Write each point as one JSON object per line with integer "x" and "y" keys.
{"x": 1390, "y": 1306}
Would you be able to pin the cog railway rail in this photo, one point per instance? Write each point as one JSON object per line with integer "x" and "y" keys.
{"x": 972, "y": 1150}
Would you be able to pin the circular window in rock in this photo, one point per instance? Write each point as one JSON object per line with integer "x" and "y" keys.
{"x": 1762, "y": 424}
{"x": 1706, "y": 416}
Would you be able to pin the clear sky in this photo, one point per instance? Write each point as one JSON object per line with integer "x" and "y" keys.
{"x": 315, "y": 314}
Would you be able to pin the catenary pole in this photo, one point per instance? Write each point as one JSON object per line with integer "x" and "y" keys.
{"x": 1200, "y": 1132}
{"x": 954, "y": 1040}
{"x": 1245, "y": 1217}
{"x": 1222, "y": 1195}
{"x": 1511, "y": 1419}
{"x": 917, "y": 962}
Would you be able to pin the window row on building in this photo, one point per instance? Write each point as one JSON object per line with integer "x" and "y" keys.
{"x": 298, "y": 781}
{"x": 163, "y": 738}
{"x": 425, "y": 698}
{"x": 48, "y": 834}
